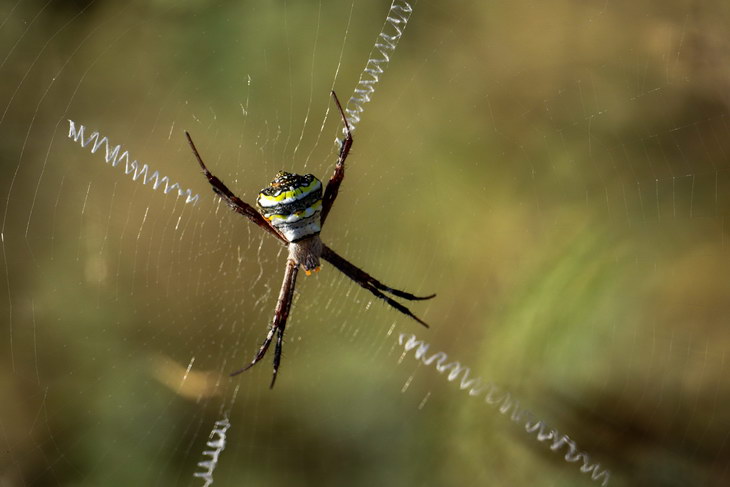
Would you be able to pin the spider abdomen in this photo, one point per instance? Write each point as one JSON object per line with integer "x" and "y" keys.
{"x": 293, "y": 205}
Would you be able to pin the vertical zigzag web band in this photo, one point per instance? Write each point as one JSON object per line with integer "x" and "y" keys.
{"x": 114, "y": 157}
{"x": 385, "y": 43}
{"x": 217, "y": 443}
{"x": 505, "y": 403}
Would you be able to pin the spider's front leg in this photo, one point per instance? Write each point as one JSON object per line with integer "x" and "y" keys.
{"x": 236, "y": 203}
{"x": 278, "y": 324}
{"x": 333, "y": 186}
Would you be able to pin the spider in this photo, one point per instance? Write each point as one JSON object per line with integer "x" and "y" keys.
{"x": 293, "y": 209}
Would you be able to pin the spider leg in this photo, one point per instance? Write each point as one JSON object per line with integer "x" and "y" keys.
{"x": 371, "y": 284}
{"x": 260, "y": 354}
{"x": 395, "y": 304}
{"x": 233, "y": 201}
{"x": 358, "y": 274}
{"x": 333, "y": 185}
{"x": 277, "y": 354}
{"x": 278, "y": 324}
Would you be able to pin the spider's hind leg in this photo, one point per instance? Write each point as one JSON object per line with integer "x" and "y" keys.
{"x": 371, "y": 284}
{"x": 400, "y": 294}
{"x": 262, "y": 351}
{"x": 395, "y": 304}
{"x": 278, "y": 325}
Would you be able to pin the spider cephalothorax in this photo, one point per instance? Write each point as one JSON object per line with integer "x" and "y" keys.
{"x": 293, "y": 209}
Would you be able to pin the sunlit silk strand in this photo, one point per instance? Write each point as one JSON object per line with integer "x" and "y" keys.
{"x": 114, "y": 156}
{"x": 386, "y": 42}
{"x": 505, "y": 403}
{"x": 293, "y": 205}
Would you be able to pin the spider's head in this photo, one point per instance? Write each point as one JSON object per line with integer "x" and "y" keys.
{"x": 286, "y": 180}
{"x": 292, "y": 203}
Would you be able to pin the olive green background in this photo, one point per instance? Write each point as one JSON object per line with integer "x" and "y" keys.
{"x": 557, "y": 172}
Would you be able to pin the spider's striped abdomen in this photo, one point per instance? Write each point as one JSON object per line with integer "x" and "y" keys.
{"x": 293, "y": 204}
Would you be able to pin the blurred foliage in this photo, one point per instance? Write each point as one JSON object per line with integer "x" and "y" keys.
{"x": 557, "y": 172}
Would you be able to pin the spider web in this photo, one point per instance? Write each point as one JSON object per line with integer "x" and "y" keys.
{"x": 556, "y": 173}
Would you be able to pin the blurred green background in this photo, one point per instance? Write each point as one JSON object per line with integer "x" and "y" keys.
{"x": 556, "y": 172}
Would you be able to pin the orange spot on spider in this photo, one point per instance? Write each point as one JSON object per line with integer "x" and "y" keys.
{"x": 309, "y": 273}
